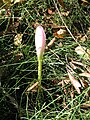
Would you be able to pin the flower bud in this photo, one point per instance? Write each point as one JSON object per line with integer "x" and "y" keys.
{"x": 40, "y": 41}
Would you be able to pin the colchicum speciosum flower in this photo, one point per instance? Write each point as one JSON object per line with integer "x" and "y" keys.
{"x": 40, "y": 41}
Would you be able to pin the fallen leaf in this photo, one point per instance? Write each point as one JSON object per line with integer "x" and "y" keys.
{"x": 80, "y": 50}
{"x": 65, "y": 13}
{"x": 85, "y": 74}
{"x": 83, "y": 38}
{"x": 33, "y": 87}
{"x": 18, "y": 57}
{"x": 50, "y": 11}
{"x": 67, "y": 81}
{"x": 50, "y": 43}
{"x": 60, "y": 33}
{"x": 60, "y": 44}
{"x": 73, "y": 66}
{"x": 18, "y": 39}
{"x": 79, "y": 63}
{"x": 85, "y": 105}
{"x": 88, "y": 69}
{"x": 63, "y": 85}
{"x": 57, "y": 35}
{"x": 74, "y": 82}
{"x": 84, "y": 83}
{"x": 88, "y": 51}
{"x": 18, "y": 1}
{"x": 85, "y": 2}
{"x": 72, "y": 92}
{"x": 83, "y": 52}
{"x": 55, "y": 26}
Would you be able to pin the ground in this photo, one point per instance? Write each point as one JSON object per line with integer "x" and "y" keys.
{"x": 65, "y": 85}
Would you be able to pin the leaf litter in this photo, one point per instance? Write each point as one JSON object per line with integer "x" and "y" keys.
{"x": 61, "y": 33}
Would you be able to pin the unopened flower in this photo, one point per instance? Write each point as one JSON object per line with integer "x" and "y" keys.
{"x": 40, "y": 41}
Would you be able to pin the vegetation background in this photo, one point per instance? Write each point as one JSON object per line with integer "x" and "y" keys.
{"x": 65, "y": 86}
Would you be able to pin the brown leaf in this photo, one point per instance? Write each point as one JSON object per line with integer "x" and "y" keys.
{"x": 67, "y": 81}
{"x": 58, "y": 36}
{"x": 60, "y": 44}
{"x": 80, "y": 50}
{"x": 18, "y": 39}
{"x": 51, "y": 43}
{"x": 83, "y": 38}
{"x": 18, "y": 57}
{"x": 50, "y": 11}
{"x": 33, "y": 87}
{"x": 84, "y": 83}
{"x": 72, "y": 92}
{"x": 65, "y": 13}
{"x": 85, "y": 2}
{"x": 85, "y": 74}
{"x": 78, "y": 63}
{"x": 81, "y": 64}
{"x": 85, "y": 105}
{"x": 60, "y": 33}
{"x": 72, "y": 65}
{"x": 54, "y": 26}
{"x": 18, "y": 1}
{"x": 74, "y": 82}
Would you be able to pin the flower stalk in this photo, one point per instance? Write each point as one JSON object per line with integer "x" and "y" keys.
{"x": 39, "y": 70}
{"x": 40, "y": 41}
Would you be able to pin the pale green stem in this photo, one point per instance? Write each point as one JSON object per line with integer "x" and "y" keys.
{"x": 39, "y": 70}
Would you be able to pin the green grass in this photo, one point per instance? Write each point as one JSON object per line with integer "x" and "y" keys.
{"x": 17, "y": 73}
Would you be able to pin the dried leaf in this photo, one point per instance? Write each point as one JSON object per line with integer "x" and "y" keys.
{"x": 88, "y": 69}
{"x": 85, "y": 2}
{"x": 86, "y": 74}
{"x": 65, "y": 13}
{"x": 83, "y": 38}
{"x": 8, "y": 3}
{"x": 84, "y": 83}
{"x": 80, "y": 50}
{"x": 74, "y": 82}
{"x": 50, "y": 11}
{"x": 57, "y": 35}
{"x": 67, "y": 81}
{"x": 60, "y": 33}
{"x": 18, "y": 1}
{"x": 88, "y": 51}
{"x": 73, "y": 66}
{"x": 85, "y": 105}
{"x": 18, "y": 57}
{"x": 79, "y": 63}
{"x": 18, "y": 39}
{"x": 51, "y": 43}
{"x": 60, "y": 44}
{"x": 64, "y": 89}
{"x": 54, "y": 26}
{"x": 33, "y": 87}
{"x": 72, "y": 92}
